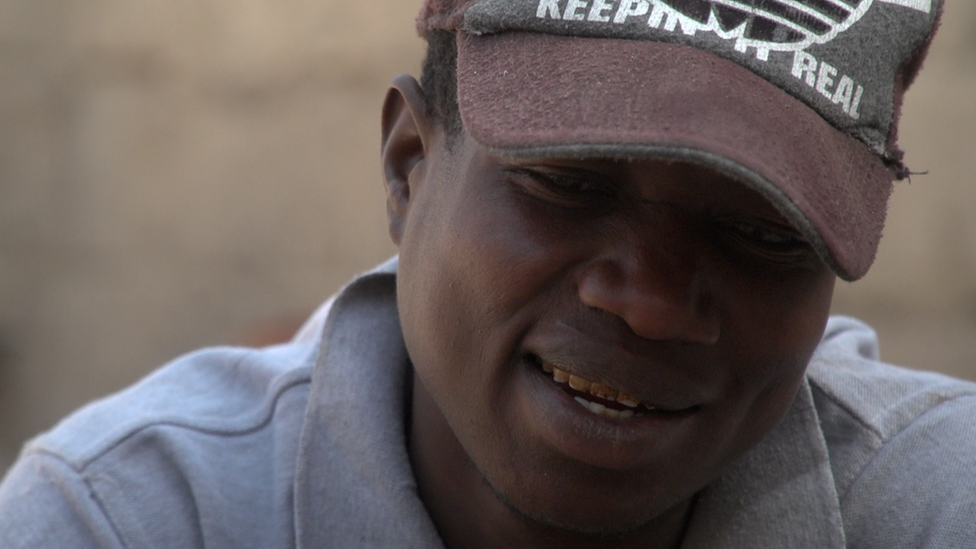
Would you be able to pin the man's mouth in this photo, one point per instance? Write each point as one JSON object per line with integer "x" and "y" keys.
{"x": 596, "y": 397}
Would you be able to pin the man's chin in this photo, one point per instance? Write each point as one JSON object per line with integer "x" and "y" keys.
{"x": 581, "y": 520}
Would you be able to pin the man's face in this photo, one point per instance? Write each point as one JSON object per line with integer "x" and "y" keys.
{"x": 676, "y": 299}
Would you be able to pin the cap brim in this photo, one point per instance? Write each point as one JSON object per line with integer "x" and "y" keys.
{"x": 541, "y": 95}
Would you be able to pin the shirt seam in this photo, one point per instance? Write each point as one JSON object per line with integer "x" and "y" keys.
{"x": 92, "y": 491}
{"x": 877, "y": 451}
{"x": 878, "y": 439}
{"x": 264, "y": 418}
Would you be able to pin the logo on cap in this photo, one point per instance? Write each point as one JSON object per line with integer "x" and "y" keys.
{"x": 780, "y": 25}
{"x": 840, "y": 83}
{"x": 765, "y": 25}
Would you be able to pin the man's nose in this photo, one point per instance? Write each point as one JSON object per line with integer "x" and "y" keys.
{"x": 659, "y": 291}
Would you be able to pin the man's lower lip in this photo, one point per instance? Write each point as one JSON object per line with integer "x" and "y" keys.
{"x": 594, "y": 439}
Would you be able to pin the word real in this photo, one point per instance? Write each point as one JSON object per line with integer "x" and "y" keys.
{"x": 821, "y": 76}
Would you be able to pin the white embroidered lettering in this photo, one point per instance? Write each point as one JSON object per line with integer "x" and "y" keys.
{"x": 597, "y": 11}
{"x": 856, "y": 102}
{"x": 629, "y": 8}
{"x": 825, "y": 78}
{"x": 920, "y": 5}
{"x": 671, "y": 22}
{"x": 844, "y": 93}
{"x": 657, "y": 15}
{"x": 689, "y": 28}
{"x": 805, "y": 67}
{"x": 820, "y": 75}
{"x": 572, "y": 12}
{"x": 548, "y": 7}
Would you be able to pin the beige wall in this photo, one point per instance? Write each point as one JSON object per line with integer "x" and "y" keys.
{"x": 176, "y": 174}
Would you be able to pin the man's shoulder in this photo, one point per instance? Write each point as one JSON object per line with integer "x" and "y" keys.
{"x": 883, "y": 399}
{"x": 209, "y": 440}
{"x": 218, "y": 391}
{"x": 900, "y": 441}
{"x": 205, "y": 452}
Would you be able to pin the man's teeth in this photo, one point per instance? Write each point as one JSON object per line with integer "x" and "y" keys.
{"x": 598, "y": 390}
{"x": 602, "y": 410}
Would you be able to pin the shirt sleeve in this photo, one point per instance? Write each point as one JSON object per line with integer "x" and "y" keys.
{"x": 46, "y": 504}
{"x": 919, "y": 491}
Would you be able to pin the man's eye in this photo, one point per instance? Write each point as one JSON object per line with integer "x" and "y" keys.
{"x": 583, "y": 190}
{"x": 765, "y": 238}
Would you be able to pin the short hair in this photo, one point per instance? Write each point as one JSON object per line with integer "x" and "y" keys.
{"x": 438, "y": 79}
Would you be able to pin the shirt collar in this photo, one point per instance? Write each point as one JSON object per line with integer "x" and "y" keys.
{"x": 779, "y": 494}
{"x": 354, "y": 486}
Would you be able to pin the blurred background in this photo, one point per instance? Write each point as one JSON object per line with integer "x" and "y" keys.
{"x": 176, "y": 174}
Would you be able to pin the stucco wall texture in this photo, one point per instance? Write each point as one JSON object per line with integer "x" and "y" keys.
{"x": 177, "y": 174}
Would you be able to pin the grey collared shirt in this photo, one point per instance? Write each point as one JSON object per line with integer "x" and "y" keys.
{"x": 303, "y": 445}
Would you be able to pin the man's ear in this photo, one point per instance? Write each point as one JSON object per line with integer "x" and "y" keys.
{"x": 406, "y": 142}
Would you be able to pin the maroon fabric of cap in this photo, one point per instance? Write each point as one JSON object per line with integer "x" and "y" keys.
{"x": 533, "y": 94}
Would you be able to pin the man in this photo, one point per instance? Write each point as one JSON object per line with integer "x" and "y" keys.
{"x": 607, "y": 325}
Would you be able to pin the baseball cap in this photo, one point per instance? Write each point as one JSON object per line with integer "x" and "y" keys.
{"x": 797, "y": 99}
